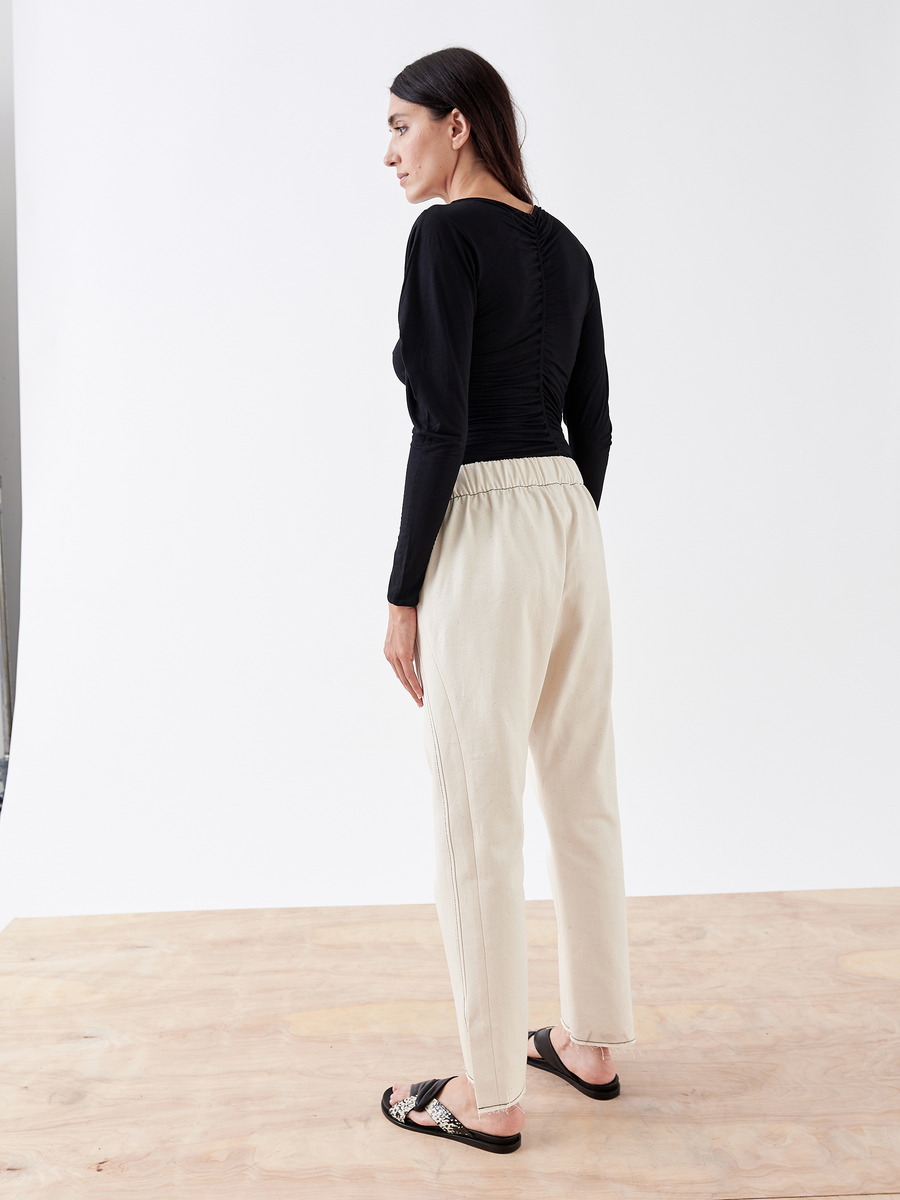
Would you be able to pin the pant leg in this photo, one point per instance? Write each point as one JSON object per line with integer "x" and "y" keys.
{"x": 574, "y": 772}
{"x": 486, "y": 619}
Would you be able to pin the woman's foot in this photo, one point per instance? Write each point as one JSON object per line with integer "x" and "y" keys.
{"x": 459, "y": 1096}
{"x": 593, "y": 1064}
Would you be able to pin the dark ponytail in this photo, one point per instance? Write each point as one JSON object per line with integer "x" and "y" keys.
{"x": 459, "y": 78}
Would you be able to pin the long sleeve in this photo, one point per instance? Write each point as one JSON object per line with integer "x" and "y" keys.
{"x": 586, "y": 411}
{"x": 437, "y": 315}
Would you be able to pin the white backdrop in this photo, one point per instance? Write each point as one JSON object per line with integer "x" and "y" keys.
{"x": 214, "y": 442}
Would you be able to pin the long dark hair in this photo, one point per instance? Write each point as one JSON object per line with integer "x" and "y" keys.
{"x": 460, "y": 78}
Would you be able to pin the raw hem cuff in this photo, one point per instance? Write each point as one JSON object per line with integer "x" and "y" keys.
{"x": 581, "y": 1042}
{"x": 492, "y": 1108}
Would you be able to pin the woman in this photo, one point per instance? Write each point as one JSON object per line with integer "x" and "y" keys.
{"x": 499, "y": 611}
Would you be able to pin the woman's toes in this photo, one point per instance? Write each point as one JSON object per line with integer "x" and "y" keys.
{"x": 420, "y": 1118}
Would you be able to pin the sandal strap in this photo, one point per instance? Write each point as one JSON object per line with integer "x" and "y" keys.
{"x": 399, "y": 1110}
{"x": 423, "y": 1097}
{"x": 546, "y": 1050}
{"x": 443, "y": 1117}
{"x": 427, "y": 1091}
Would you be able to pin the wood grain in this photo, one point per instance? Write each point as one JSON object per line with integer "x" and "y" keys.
{"x": 230, "y": 1054}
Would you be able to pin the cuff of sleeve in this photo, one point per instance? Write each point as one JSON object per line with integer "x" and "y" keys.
{"x": 403, "y": 601}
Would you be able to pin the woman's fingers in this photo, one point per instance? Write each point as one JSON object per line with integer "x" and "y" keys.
{"x": 400, "y": 649}
{"x": 405, "y": 672}
{"x": 413, "y": 686}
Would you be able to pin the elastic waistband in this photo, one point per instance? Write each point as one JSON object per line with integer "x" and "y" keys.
{"x": 498, "y": 474}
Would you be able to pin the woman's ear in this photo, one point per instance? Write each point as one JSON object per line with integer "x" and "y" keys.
{"x": 459, "y": 129}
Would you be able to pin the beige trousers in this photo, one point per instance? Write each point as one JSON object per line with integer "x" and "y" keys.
{"x": 514, "y": 648}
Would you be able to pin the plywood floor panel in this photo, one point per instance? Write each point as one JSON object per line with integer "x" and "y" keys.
{"x": 229, "y": 1054}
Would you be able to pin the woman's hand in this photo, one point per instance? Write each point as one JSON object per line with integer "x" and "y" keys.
{"x": 399, "y": 648}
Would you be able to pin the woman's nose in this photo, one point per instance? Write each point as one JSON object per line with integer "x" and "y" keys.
{"x": 391, "y": 157}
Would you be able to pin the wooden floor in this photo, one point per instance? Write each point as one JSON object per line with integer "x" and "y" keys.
{"x": 239, "y": 1054}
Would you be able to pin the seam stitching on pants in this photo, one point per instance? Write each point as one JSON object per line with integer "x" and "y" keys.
{"x": 478, "y": 880}
{"x": 502, "y": 1107}
{"x": 513, "y": 486}
{"x": 559, "y": 608}
{"x": 440, "y": 771}
{"x": 581, "y": 1042}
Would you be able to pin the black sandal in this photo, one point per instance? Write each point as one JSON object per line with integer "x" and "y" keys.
{"x": 423, "y": 1098}
{"x": 550, "y": 1061}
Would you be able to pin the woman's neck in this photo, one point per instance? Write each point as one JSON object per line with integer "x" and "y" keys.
{"x": 479, "y": 183}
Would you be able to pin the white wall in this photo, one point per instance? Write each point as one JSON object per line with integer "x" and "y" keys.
{"x": 214, "y": 441}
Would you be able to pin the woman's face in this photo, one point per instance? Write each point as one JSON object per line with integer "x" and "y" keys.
{"x": 422, "y": 151}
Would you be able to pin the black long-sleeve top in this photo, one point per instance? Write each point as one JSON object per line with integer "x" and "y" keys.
{"x": 501, "y": 339}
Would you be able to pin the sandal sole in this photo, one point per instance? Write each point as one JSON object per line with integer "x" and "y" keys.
{"x": 498, "y": 1145}
{"x": 596, "y": 1091}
